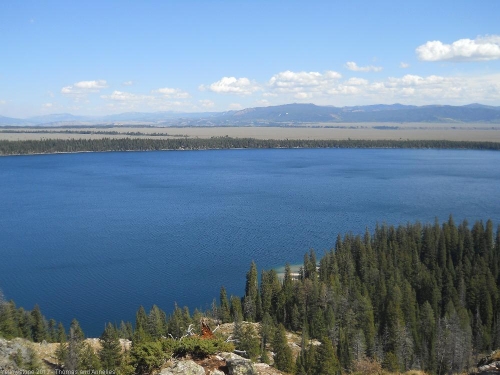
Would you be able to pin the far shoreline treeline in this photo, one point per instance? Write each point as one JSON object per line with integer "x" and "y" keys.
{"x": 52, "y": 146}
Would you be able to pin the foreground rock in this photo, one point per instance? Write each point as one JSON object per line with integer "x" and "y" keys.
{"x": 238, "y": 365}
{"x": 187, "y": 367}
{"x": 490, "y": 365}
{"x": 490, "y": 368}
{"x": 224, "y": 363}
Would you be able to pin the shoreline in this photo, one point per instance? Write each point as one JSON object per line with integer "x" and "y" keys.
{"x": 73, "y": 146}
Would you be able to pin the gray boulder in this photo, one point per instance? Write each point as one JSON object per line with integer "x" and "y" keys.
{"x": 238, "y": 365}
{"x": 184, "y": 367}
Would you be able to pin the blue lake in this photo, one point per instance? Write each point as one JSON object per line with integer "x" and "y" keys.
{"x": 96, "y": 235}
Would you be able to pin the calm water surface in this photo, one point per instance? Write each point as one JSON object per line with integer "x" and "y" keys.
{"x": 95, "y": 235}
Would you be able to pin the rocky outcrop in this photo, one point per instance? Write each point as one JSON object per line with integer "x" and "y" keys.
{"x": 237, "y": 365}
{"x": 17, "y": 354}
{"x": 490, "y": 365}
{"x": 490, "y": 368}
{"x": 232, "y": 364}
{"x": 187, "y": 367}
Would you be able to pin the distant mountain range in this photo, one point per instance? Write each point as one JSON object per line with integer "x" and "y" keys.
{"x": 281, "y": 115}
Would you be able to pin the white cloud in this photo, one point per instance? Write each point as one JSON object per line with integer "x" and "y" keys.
{"x": 479, "y": 49}
{"x": 302, "y": 84}
{"x": 91, "y": 85}
{"x": 232, "y": 85}
{"x": 434, "y": 89}
{"x": 2, "y": 102}
{"x": 404, "y": 65}
{"x": 82, "y": 88}
{"x": 205, "y": 103}
{"x": 122, "y": 96}
{"x": 413, "y": 89}
{"x": 351, "y": 65}
{"x": 47, "y": 105}
{"x": 128, "y": 83}
{"x": 67, "y": 90}
{"x": 168, "y": 92}
{"x": 357, "y": 81}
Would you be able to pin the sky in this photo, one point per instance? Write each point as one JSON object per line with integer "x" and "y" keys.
{"x": 105, "y": 57}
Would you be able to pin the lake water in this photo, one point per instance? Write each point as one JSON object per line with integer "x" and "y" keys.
{"x": 95, "y": 235}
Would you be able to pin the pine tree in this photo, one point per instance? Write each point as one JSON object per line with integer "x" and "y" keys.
{"x": 236, "y": 308}
{"x": 283, "y": 359}
{"x": 8, "y": 327}
{"x": 62, "y": 349}
{"x": 52, "y": 331}
{"x": 110, "y": 353}
{"x": 249, "y": 342}
{"x": 156, "y": 322}
{"x": 38, "y": 330}
{"x": 24, "y": 321}
{"x": 125, "y": 331}
{"x": 88, "y": 359}
{"x": 326, "y": 362}
{"x": 266, "y": 334}
{"x": 141, "y": 319}
{"x": 225, "y": 310}
{"x": 75, "y": 347}
{"x": 251, "y": 294}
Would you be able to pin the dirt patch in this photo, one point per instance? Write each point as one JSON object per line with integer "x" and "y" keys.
{"x": 213, "y": 363}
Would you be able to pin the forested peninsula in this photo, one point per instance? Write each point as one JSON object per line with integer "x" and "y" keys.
{"x": 49, "y": 146}
{"x": 412, "y": 297}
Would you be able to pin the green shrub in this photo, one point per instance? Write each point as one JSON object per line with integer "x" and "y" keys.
{"x": 147, "y": 356}
{"x": 195, "y": 347}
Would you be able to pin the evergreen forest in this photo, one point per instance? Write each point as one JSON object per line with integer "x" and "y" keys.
{"x": 415, "y": 296}
{"x": 48, "y": 146}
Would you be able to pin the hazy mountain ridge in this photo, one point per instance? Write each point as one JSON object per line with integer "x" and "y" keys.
{"x": 281, "y": 115}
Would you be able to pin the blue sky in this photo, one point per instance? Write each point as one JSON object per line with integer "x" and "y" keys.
{"x": 103, "y": 57}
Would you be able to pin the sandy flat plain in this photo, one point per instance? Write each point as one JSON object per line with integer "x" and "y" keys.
{"x": 420, "y": 131}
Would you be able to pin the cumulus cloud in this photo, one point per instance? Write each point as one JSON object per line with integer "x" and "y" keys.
{"x": 232, "y": 85}
{"x": 91, "y": 85}
{"x": 168, "y": 92}
{"x": 351, "y": 65}
{"x": 82, "y": 88}
{"x": 404, "y": 65}
{"x": 480, "y": 49}
{"x": 47, "y": 105}
{"x": 128, "y": 83}
{"x": 328, "y": 88}
{"x": 2, "y": 102}
{"x": 302, "y": 84}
